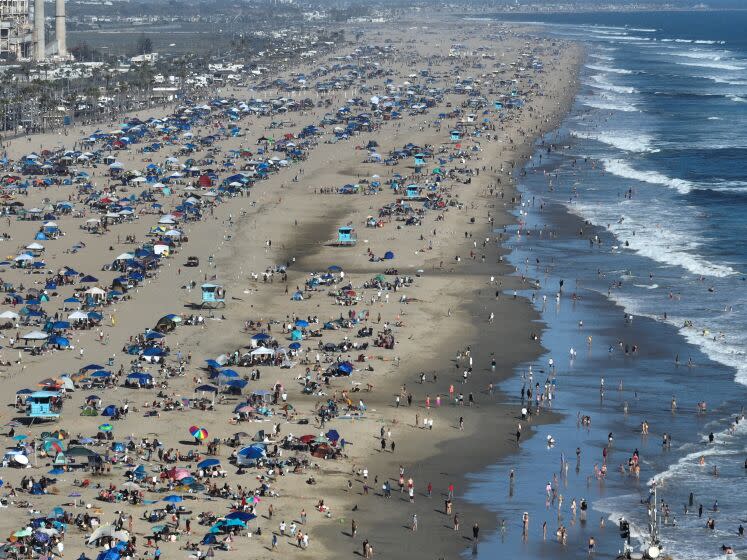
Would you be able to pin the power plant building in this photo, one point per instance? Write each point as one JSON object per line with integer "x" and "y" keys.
{"x": 23, "y": 31}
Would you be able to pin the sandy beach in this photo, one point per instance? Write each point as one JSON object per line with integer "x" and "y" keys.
{"x": 454, "y": 312}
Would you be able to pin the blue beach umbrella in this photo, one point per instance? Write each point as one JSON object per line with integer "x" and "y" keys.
{"x": 207, "y": 463}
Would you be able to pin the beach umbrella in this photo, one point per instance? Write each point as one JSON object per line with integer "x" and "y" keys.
{"x": 242, "y": 515}
{"x": 21, "y": 459}
{"x": 199, "y": 434}
{"x": 206, "y": 388}
{"x": 23, "y": 533}
{"x": 301, "y": 323}
{"x": 334, "y": 268}
{"x": 178, "y": 473}
{"x": 345, "y": 367}
{"x": 261, "y": 336}
{"x": 207, "y": 463}
{"x": 333, "y": 435}
{"x": 80, "y": 452}
{"x": 173, "y": 499}
{"x": 106, "y": 427}
{"x": 52, "y": 445}
{"x": 108, "y": 531}
{"x": 59, "y": 341}
{"x": 252, "y": 452}
{"x": 41, "y": 537}
{"x": 244, "y": 409}
{"x": 237, "y": 383}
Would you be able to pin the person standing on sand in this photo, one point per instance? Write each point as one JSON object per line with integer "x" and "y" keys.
{"x": 414, "y": 523}
{"x": 475, "y": 531}
{"x": 353, "y": 529}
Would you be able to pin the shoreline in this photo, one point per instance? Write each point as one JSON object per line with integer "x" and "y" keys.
{"x": 639, "y": 384}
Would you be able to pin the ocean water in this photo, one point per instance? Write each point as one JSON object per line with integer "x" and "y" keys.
{"x": 653, "y": 160}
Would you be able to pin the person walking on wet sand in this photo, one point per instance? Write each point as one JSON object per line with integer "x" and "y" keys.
{"x": 414, "y": 523}
{"x": 353, "y": 529}
{"x": 475, "y": 531}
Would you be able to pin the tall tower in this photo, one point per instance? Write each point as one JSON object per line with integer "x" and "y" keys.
{"x": 38, "y": 33}
{"x": 59, "y": 21}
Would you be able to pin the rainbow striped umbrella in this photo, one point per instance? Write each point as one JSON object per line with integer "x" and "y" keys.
{"x": 198, "y": 433}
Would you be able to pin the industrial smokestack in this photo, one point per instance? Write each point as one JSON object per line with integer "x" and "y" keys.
{"x": 59, "y": 21}
{"x": 38, "y": 34}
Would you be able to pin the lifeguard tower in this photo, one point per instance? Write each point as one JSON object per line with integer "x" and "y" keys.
{"x": 213, "y": 295}
{"x": 346, "y": 237}
{"x": 44, "y": 405}
{"x": 419, "y": 162}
